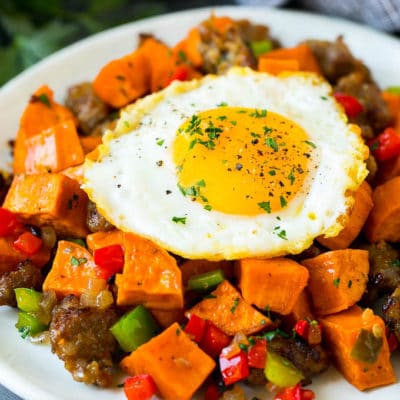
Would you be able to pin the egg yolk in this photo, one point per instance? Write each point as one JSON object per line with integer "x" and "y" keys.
{"x": 242, "y": 161}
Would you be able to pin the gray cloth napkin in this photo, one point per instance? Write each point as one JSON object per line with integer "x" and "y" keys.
{"x": 381, "y": 14}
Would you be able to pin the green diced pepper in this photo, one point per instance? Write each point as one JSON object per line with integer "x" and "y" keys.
{"x": 28, "y": 299}
{"x": 281, "y": 372}
{"x": 134, "y": 328}
{"x": 28, "y": 324}
{"x": 206, "y": 281}
{"x": 260, "y": 47}
{"x": 393, "y": 89}
{"x": 367, "y": 347}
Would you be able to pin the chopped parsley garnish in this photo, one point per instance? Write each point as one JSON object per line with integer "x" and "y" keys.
{"x": 210, "y": 296}
{"x": 179, "y": 220}
{"x": 291, "y": 177}
{"x": 182, "y": 55}
{"x": 78, "y": 261}
{"x": 282, "y": 234}
{"x": 270, "y": 142}
{"x": 395, "y": 263}
{"x": 267, "y": 130}
{"x": 235, "y": 304}
{"x": 24, "y": 331}
{"x": 272, "y": 172}
{"x": 222, "y": 117}
{"x": 349, "y": 283}
{"x": 243, "y": 346}
{"x": 283, "y": 201}
{"x": 222, "y": 104}
{"x": 313, "y": 145}
{"x": 207, "y": 207}
{"x": 259, "y": 114}
{"x": 266, "y": 206}
{"x": 324, "y": 98}
{"x": 234, "y": 123}
{"x": 336, "y": 282}
{"x": 263, "y": 322}
{"x": 255, "y": 135}
{"x": 43, "y": 99}
{"x": 160, "y": 142}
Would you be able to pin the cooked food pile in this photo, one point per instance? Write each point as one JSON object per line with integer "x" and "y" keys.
{"x": 219, "y": 212}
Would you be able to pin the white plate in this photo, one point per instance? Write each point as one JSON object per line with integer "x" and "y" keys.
{"x": 32, "y": 371}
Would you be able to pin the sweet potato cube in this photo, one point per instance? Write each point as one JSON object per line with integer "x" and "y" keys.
{"x": 150, "y": 276}
{"x": 165, "y": 318}
{"x": 358, "y": 215}
{"x": 49, "y": 199}
{"x": 301, "y": 310}
{"x": 54, "y": 149}
{"x": 230, "y": 312}
{"x": 73, "y": 271}
{"x": 342, "y": 331}
{"x": 101, "y": 239}
{"x": 338, "y": 279}
{"x": 177, "y": 365}
{"x": 89, "y": 143}
{"x": 11, "y": 257}
{"x": 274, "y": 283}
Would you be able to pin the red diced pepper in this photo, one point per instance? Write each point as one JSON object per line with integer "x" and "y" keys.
{"x": 195, "y": 328}
{"x": 181, "y": 73}
{"x": 393, "y": 343}
{"x": 257, "y": 354}
{"x": 140, "y": 387}
{"x": 109, "y": 260}
{"x": 351, "y": 105}
{"x": 28, "y": 243}
{"x": 212, "y": 392}
{"x": 8, "y": 222}
{"x": 295, "y": 393}
{"x": 386, "y": 145}
{"x": 301, "y": 328}
{"x": 214, "y": 340}
{"x": 310, "y": 331}
{"x": 233, "y": 369}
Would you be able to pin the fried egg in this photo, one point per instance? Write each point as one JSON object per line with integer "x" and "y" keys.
{"x": 241, "y": 165}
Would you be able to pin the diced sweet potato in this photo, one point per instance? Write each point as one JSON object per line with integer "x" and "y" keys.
{"x": 89, "y": 143}
{"x": 73, "y": 271}
{"x": 176, "y": 364}
{"x": 338, "y": 279}
{"x": 190, "y": 268}
{"x": 358, "y": 215}
{"x": 10, "y": 257}
{"x": 150, "y": 277}
{"x": 302, "y": 309}
{"x": 53, "y": 149}
{"x": 75, "y": 173}
{"x": 227, "y": 309}
{"x": 165, "y": 318}
{"x": 342, "y": 331}
{"x": 98, "y": 240}
{"x": 275, "y": 67}
{"x": 49, "y": 199}
{"x": 274, "y": 284}
{"x": 384, "y": 220}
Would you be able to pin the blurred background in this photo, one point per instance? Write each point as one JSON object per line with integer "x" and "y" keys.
{"x": 33, "y": 29}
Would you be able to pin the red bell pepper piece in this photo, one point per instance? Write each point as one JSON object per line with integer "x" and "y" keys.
{"x": 386, "y": 145}
{"x": 301, "y": 328}
{"x": 309, "y": 331}
{"x": 212, "y": 392}
{"x": 351, "y": 105}
{"x": 109, "y": 260}
{"x": 235, "y": 368}
{"x": 8, "y": 222}
{"x": 214, "y": 340}
{"x": 257, "y": 354}
{"x": 195, "y": 328}
{"x": 393, "y": 343}
{"x": 181, "y": 73}
{"x": 140, "y": 387}
{"x": 28, "y": 243}
{"x": 295, "y": 393}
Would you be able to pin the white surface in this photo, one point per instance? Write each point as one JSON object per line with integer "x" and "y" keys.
{"x": 32, "y": 371}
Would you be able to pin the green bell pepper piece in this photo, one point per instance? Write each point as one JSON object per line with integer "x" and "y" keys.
{"x": 28, "y": 324}
{"x": 393, "y": 89}
{"x": 206, "y": 281}
{"x": 28, "y": 299}
{"x": 134, "y": 328}
{"x": 260, "y": 47}
{"x": 281, "y": 372}
{"x": 367, "y": 347}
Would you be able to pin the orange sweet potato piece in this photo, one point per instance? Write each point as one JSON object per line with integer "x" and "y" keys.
{"x": 276, "y": 66}
{"x": 301, "y": 53}
{"x": 191, "y": 268}
{"x": 10, "y": 257}
{"x": 73, "y": 271}
{"x": 53, "y": 149}
{"x": 338, "y": 279}
{"x": 123, "y": 80}
{"x": 341, "y": 331}
{"x": 301, "y": 310}
{"x": 98, "y": 240}
{"x": 358, "y": 215}
{"x": 75, "y": 173}
{"x": 49, "y": 199}
{"x": 190, "y": 47}
{"x": 150, "y": 276}
{"x": 165, "y": 318}
{"x": 384, "y": 220}
{"x": 227, "y": 309}
{"x": 177, "y": 365}
{"x": 274, "y": 284}
{"x": 41, "y": 113}
{"x": 89, "y": 143}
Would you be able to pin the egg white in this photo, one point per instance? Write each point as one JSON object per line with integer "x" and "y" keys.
{"x": 134, "y": 182}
